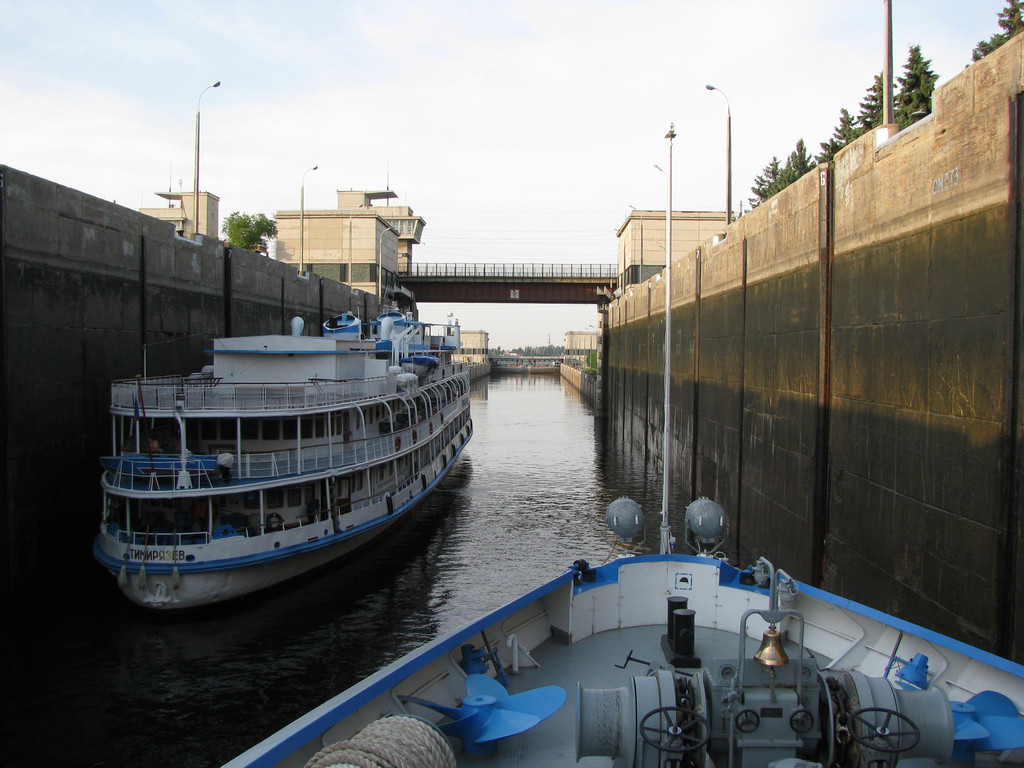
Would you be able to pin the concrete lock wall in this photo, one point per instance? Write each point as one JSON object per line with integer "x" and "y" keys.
{"x": 846, "y": 369}
{"x": 94, "y": 292}
{"x": 587, "y": 384}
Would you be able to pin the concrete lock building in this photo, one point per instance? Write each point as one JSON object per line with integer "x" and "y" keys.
{"x": 474, "y": 347}
{"x": 642, "y": 240}
{"x": 359, "y": 243}
{"x": 181, "y": 212}
{"x": 579, "y": 344}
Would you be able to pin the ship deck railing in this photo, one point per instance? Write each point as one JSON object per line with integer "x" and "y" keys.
{"x": 180, "y": 538}
{"x": 162, "y": 395}
{"x": 160, "y": 473}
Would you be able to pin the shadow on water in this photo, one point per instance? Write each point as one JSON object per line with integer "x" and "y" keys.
{"x": 204, "y": 686}
{"x": 97, "y": 682}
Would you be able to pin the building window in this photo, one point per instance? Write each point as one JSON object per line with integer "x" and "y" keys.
{"x": 337, "y": 272}
{"x": 364, "y": 273}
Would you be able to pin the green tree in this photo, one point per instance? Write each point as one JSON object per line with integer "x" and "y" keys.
{"x": 1011, "y": 21}
{"x": 774, "y": 179}
{"x": 767, "y": 184}
{"x": 916, "y": 88}
{"x": 870, "y": 115}
{"x": 249, "y": 231}
{"x": 798, "y": 163}
{"x": 844, "y": 133}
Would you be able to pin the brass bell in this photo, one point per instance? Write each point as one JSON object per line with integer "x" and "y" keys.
{"x": 771, "y": 653}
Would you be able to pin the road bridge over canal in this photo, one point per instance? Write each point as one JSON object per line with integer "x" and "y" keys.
{"x": 512, "y": 283}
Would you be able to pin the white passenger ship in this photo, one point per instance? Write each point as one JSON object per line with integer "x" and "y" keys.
{"x": 285, "y": 454}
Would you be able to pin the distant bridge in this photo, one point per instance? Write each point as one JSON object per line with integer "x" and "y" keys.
{"x": 512, "y": 283}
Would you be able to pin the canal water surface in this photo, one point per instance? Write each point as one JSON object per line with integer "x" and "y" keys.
{"x": 93, "y": 681}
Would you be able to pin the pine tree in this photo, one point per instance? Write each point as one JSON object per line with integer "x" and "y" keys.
{"x": 764, "y": 185}
{"x": 1011, "y": 21}
{"x": 798, "y": 163}
{"x": 871, "y": 107}
{"x": 775, "y": 178}
{"x": 844, "y": 133}
{"x": 916, "y": 88}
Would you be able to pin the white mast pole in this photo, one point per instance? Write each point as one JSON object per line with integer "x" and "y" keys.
{"x": 666, "y": 532}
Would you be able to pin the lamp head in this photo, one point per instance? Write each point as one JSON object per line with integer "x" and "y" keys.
{"x": 216, "y": 85}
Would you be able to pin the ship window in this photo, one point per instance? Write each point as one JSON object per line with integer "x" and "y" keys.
{"x": 228, "y": 429}
{"x": 294, "y": 497}
{"x": 275, "y": 498}
{"x": 192, "y": 430}
{"x": 250, "y": 429}
{"x": 289, "y": 430}
{"x": 307, "y": 429}
{"x": 209, "y": 429}
{"x": 252, "y": 501}
{"x": 319, "y": 425}
{"x": 271, "y": 429}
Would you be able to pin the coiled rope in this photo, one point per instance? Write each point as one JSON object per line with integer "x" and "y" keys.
{"x": 392, "y": 742}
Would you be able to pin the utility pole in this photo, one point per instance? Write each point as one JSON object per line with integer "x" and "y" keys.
{"x": 887, "y": 116}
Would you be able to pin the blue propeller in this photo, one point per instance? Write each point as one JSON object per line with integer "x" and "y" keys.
{"x": 986, "y": 722}
{"x": 489, "y": 712}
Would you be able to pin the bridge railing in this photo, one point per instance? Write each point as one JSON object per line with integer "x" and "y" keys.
{"x": 524, "y": 270}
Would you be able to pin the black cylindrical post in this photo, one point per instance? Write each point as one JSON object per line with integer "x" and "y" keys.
{"x": 675, "y": 602}
{"x": 681, "y": 631}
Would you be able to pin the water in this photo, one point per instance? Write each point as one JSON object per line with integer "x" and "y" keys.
{"x": 95, "y": 682}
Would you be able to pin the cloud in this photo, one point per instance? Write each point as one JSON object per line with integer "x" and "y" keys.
{"x": 553, "y": 112}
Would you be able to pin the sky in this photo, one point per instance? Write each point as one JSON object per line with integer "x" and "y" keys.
{"x": 521, "y": 131}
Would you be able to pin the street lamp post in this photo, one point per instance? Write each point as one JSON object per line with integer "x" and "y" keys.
{"x": 728, "y": 154}
{"x": 195, "y": 188}
{"x": 302, "y": 221}
{"x": 666, "y": 531}
{"x": 887, "y": 105}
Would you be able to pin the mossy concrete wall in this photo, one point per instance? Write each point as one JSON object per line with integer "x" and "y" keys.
{"x": 94, "y": 292}
{"x": 587, "y": 384}
{"x": 846, "y": 368}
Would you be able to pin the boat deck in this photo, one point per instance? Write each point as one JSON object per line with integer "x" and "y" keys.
{"x": 597, "y": 662}
{"x": 762, "y": 701}
{"x": 591, "y": 663}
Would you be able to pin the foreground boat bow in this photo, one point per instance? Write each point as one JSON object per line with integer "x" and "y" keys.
{"x": 658, "y": 658}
